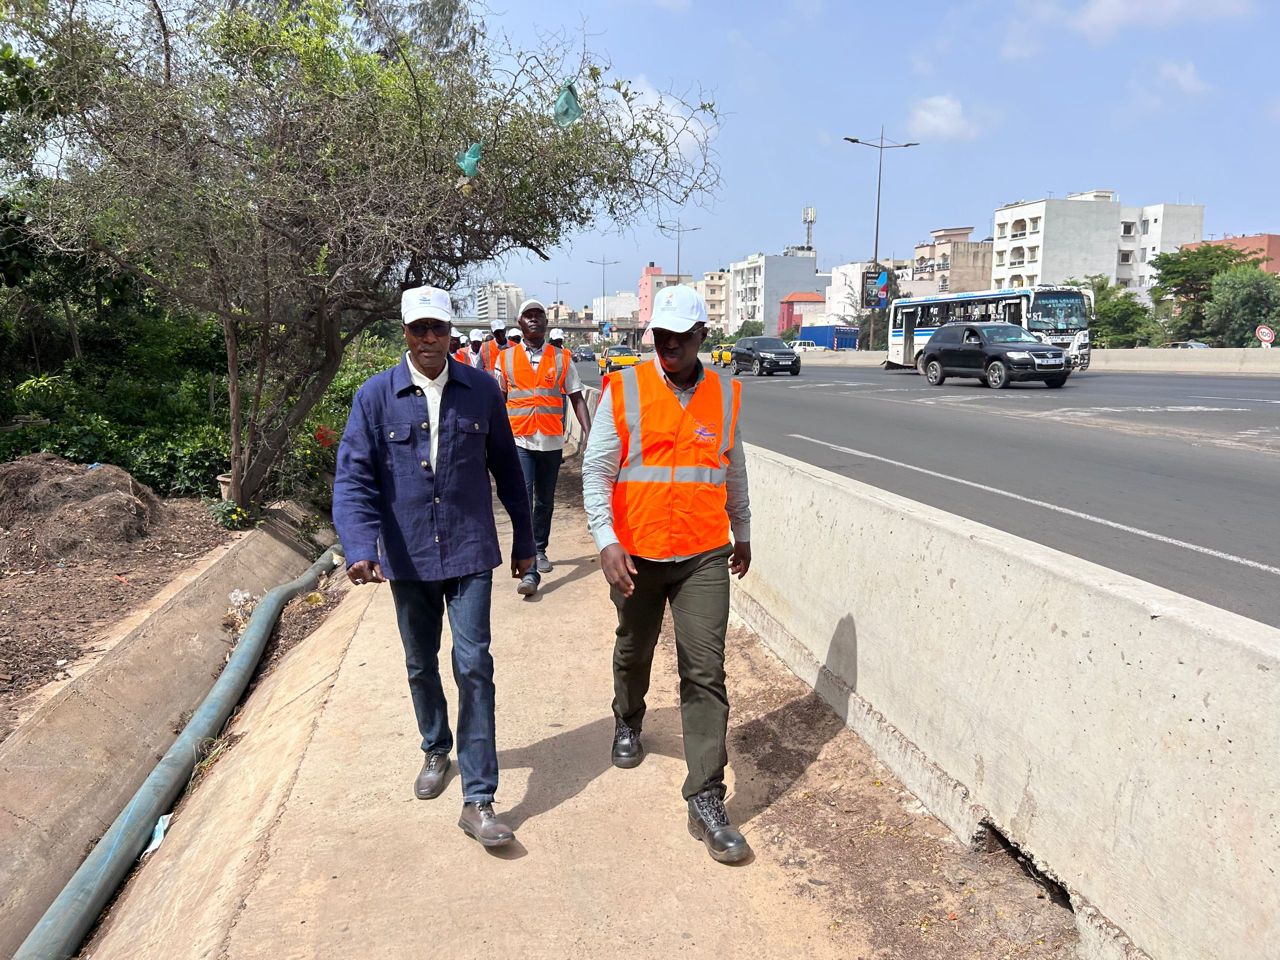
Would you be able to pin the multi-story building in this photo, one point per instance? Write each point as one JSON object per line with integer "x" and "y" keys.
{"x": 498, "y": 300}
{"x": 758, "y": 284}
{"x": 800, "y": 309}
{"x": 615, "y": 308}
{"x": 1087, "y": 234}
{"x": 652, "y": 279}
{"x": 714, "y": 290}
{"x": 1262, "y": 246}
{"x": 952, "y": 262}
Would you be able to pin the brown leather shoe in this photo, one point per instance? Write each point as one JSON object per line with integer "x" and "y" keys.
{"x": 431, "y": 779}
{"x": 479, "y": 822}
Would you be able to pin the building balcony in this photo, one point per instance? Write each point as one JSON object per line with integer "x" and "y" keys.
{"x": 1017, "y": 234}
{"x": 1016, "y": 263}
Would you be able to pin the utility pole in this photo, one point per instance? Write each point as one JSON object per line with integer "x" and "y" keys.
{"x": 880, "y": 145}
{"x": 679, "y": 230}
{"x": 604, "y": 265}
{"x": 557, "y": 283}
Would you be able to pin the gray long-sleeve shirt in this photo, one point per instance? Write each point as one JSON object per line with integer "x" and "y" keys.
{"x": 603, "y": 458}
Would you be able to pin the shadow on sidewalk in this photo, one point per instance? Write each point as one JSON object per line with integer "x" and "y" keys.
{"x": 564, "y": 764}
{"x": 582, "y": 567}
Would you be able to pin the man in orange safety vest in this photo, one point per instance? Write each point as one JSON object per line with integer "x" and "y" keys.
{"x": 664, "y": 483}
{"x": 537, "y": 378}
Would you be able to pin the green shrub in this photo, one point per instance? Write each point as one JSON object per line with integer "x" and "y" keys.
{"x": 182, "y": 462}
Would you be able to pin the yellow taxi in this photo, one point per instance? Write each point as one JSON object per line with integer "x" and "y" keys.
{"x": 720, "y": 354}
{"x": 615, "y": 358}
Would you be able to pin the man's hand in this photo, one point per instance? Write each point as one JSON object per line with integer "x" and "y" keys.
{"x": 520, "y": 567}
{"x": 365, "y": 571}
{"x": 740, "y": 561}
{"x": 618, "y": 568}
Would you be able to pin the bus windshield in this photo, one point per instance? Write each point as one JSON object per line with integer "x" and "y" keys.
{"x": 1058, "y": 310}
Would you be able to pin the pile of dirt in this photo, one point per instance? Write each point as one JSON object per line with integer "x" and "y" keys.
{"x": 54, "y": 510}
{"x": 79, "y": 549}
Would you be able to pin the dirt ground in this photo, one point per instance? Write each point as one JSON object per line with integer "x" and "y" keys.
{"x": 851, "y": 837}
{"x": 79, "y": 549}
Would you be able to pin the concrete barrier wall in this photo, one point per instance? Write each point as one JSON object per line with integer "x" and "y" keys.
{"x": 1123, "y": 736}
{"x": 1220, "y": 362}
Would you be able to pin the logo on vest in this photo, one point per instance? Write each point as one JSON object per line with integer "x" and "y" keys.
{"x": 704, "y": 434}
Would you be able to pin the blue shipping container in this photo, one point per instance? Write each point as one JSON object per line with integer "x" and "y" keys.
{"x": 833, "y": 336}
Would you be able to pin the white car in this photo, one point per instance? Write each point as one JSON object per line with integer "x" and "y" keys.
{"x": 806, "y": 346}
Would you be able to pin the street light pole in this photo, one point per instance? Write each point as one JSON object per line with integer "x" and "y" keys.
{"x": 679, "y": 230}
{"x": 604, "y": 265}
{"x": 880, "y": 145}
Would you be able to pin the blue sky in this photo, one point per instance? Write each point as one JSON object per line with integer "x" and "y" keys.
{"x": 1161, "y": 100}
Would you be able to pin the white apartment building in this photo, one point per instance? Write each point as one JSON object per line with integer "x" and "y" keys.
{"x": 758, "y": 284}
{"x": 620, "y": 306}
{"x": 714, "y": 290}
{"x": 1050, "y": 241}
{"x": 498, "y": 300}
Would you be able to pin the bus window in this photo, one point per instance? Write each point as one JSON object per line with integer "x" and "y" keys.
{"x": 1013, "y": 311}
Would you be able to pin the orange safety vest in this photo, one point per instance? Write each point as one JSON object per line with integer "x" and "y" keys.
{"x": 535, "y": 398}
{"x": 670, "y": 496}
{"x": 461, "y": 355}
{"x": 492, "y": 352}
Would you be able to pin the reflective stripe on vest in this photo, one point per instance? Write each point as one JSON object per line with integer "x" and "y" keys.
{"x": 533, "y": 407}
{"x": 670, "y": 497}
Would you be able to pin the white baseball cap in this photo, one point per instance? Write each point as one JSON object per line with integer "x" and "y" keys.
{"x": 477, "y": 336}
{"x": 529, "y": 305}
{"x": 425, "y": 303}
{"x": 496, "y": 325}
{"x": 513, "y": 332}
{"x": 455, "y": 332}
{"x": 556, "y": 334}
{"x": 678, "y": 309}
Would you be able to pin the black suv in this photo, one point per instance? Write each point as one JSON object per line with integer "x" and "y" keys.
{"x": 763, "y": 355}
{"x": 995, "y": 353}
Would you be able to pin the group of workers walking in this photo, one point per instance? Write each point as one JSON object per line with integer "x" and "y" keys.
{"x": 664, "y": 489}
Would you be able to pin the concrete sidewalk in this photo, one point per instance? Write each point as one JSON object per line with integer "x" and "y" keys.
{"x": 305, "y": 841}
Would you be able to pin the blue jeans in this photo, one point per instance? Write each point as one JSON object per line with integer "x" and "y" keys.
{"x": 420, "y": 607}
{"x": 541, "y": 471}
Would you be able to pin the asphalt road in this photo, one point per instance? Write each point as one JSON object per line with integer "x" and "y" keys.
{"x": 1171, "y": 479}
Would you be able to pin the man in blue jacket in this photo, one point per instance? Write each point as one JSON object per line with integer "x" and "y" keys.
{"x": 411, "y": 503}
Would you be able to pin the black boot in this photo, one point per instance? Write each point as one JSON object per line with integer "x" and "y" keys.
{"x": 709, "y": 823}
{"x": 627, "y": 749}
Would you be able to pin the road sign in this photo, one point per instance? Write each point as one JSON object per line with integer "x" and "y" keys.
{"x": 1265, "y": 334}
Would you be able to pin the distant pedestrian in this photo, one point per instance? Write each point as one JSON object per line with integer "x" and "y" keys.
{"x": 537, "y": 379}
{"x": 473, "y": 354}
{"x": 664, "y": 481}
{"x": 455, "y": 340}
{"x": 513, "y": 335}
{"x": 411, "y": 504}
{"x": 495, "y": 346}
{"x": 556, "y": 338}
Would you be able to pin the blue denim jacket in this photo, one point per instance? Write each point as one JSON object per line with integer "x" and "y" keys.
{"x": 420, "y": 524}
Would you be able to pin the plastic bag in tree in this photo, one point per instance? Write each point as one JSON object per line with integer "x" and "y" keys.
{"x": 567, "y": 107}
{"x": 470, "y": 160}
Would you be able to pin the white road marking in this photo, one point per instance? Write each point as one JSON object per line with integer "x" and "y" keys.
{"x": 1159, "y": 538}
{"x": 1238, "y": 399}
{"x": 1090, "y": 411}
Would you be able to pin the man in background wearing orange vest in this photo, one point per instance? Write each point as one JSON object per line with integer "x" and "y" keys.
{"x": 664, "y": 481}
{"x": 473, "y": 353}
{"x": 494, "y": 347}
{"x": 455, "y": 341}
{"x": 536, "y": 379}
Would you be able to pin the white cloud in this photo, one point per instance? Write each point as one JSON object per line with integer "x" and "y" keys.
{"x": 691, "y": 131}
{"x": 940, "y": 118}
{"x": 1182, "y": 77}
{"x": 1105, "y": 17}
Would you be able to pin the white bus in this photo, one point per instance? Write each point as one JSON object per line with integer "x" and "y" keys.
{"x": 1057, "y": 315}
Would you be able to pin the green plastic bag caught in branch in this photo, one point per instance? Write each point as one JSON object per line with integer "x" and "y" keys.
{"x": 470, "y": 160}
{"x": 567, "y": 107}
